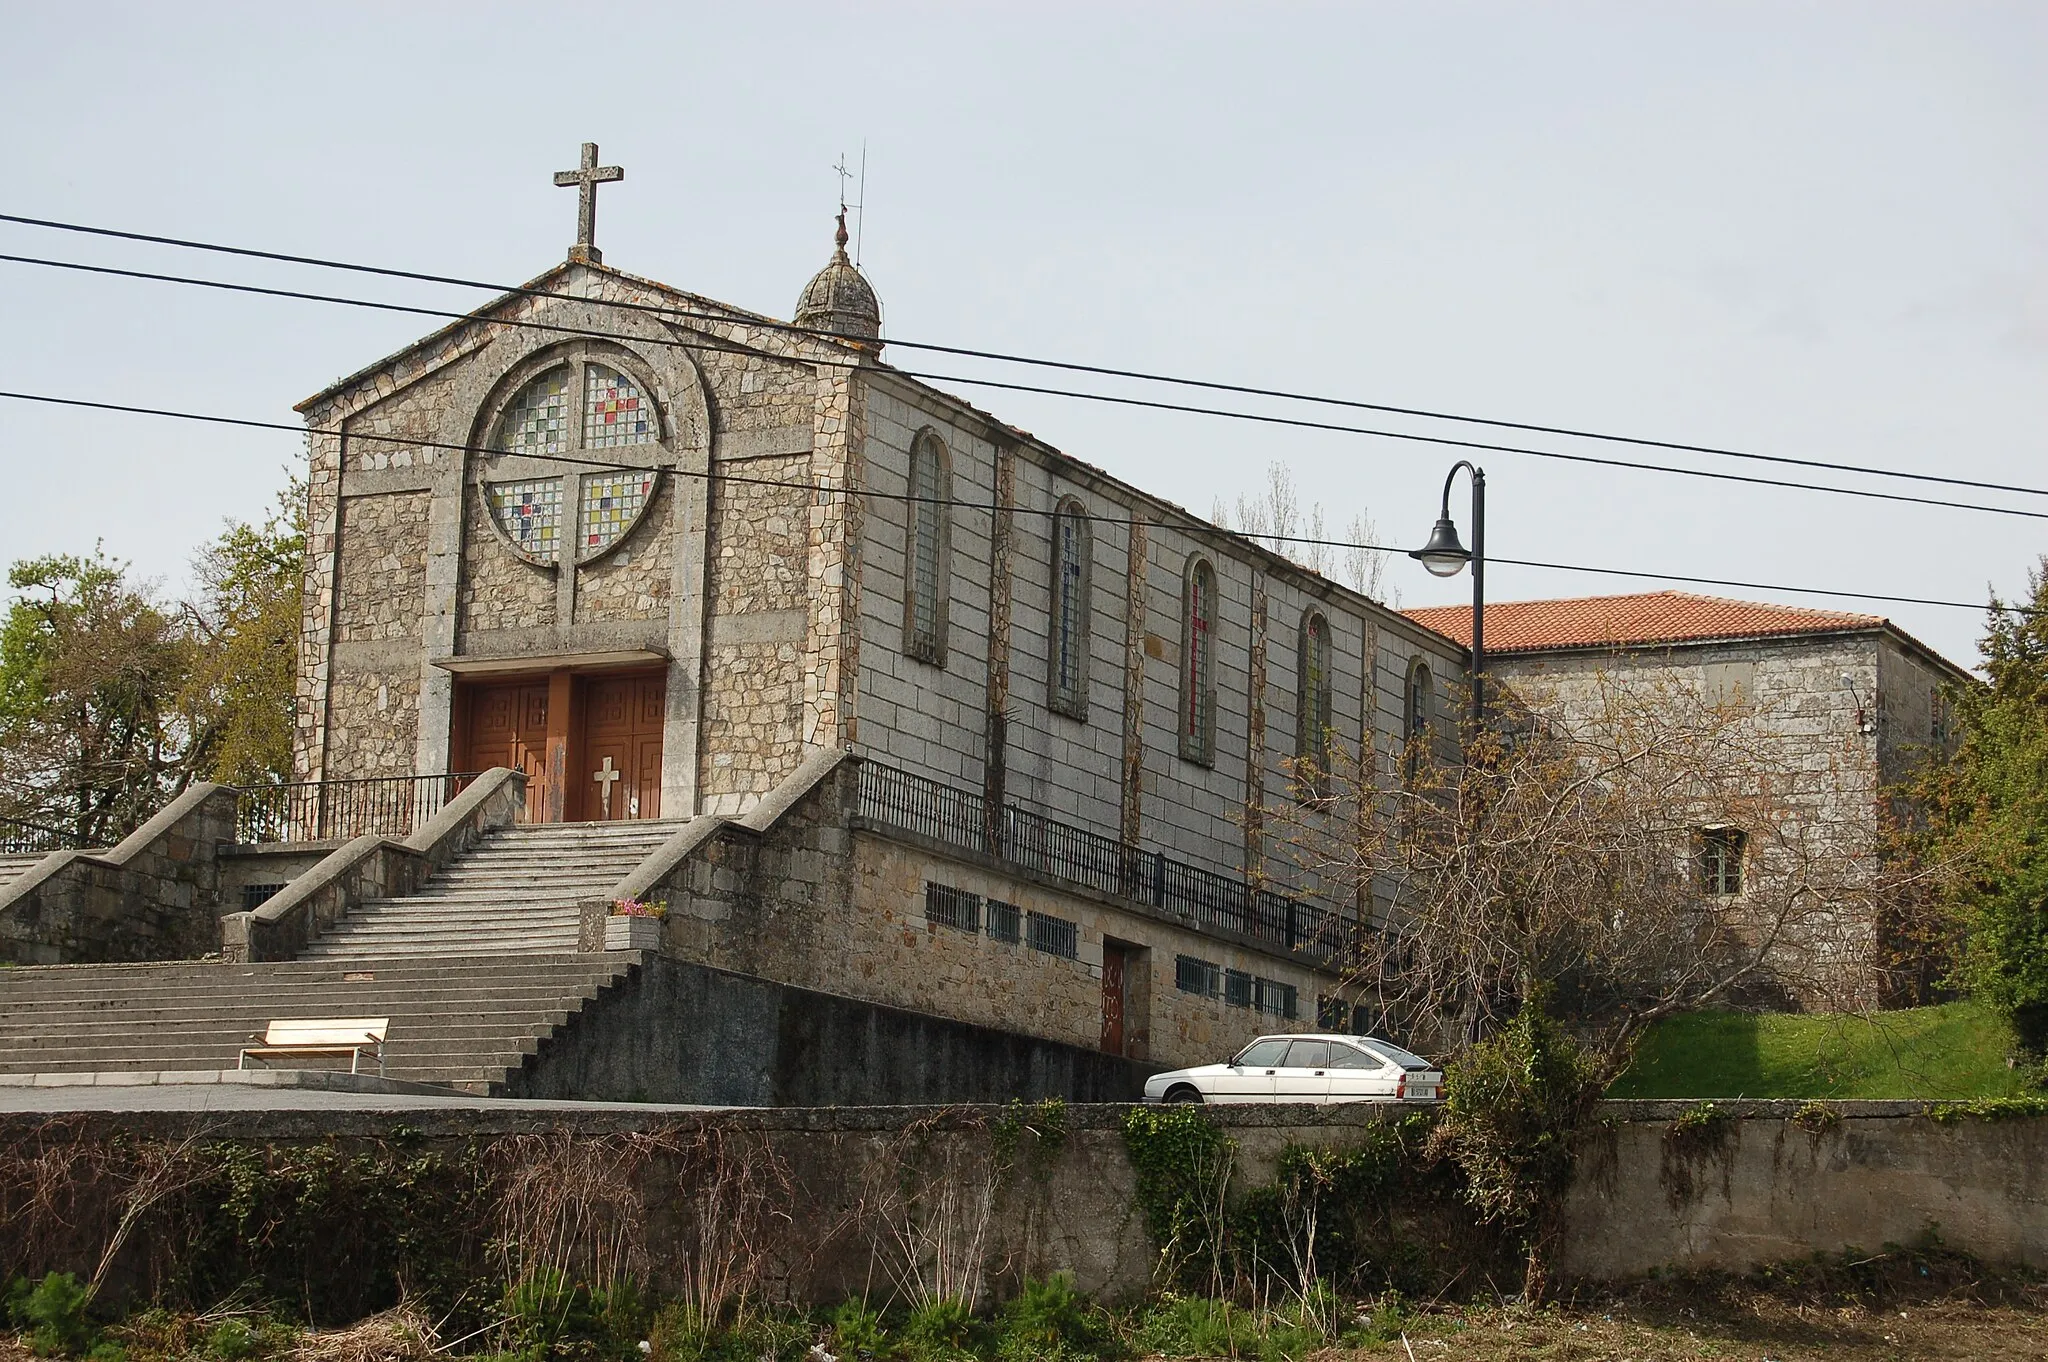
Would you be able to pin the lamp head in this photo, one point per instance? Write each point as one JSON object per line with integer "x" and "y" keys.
{"x": 1443, "y": 555}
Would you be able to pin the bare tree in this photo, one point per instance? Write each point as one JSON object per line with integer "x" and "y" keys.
{"x": 1632, "y": 849}
{"x": 1276, "y": 518}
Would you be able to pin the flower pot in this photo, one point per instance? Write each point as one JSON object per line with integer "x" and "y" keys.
{"x": 632, "y": 933}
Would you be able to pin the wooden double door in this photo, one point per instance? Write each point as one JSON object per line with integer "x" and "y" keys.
{"x": 590, "y": 745}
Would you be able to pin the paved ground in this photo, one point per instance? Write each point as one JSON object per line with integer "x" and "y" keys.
{"x": 238, "y": 1097}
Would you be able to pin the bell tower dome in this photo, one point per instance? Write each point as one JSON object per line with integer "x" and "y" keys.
{"x": 839, "y": 298}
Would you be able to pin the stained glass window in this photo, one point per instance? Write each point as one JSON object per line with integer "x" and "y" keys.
{"x": 537, "y": 422}
{"x": 615, "y": 411}
{"x": 1198, "y": 665}
{"x": 924, "y": 614}
{"x": 531, "y": 513}
{"x": 1312, "y": 702}
{"x": 1070, "y": 610}
{"x": 611, "y": 502}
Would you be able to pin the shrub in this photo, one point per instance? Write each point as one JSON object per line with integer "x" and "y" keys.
{"x": 53, "y": 1313}
{"x": 940, "y": 1329}
{"x": 1050, "y": 1319}
{"x": 856, "y": 1330}
{"x": 232, "y": 1340}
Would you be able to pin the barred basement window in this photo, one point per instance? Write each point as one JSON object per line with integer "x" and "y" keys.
{"x": 1332, "y": 1014}
{"x": 946, "y": 906}
{"x": 256, "y": 895}
{"x": 1055, "y": 936}
{"x": 1203, "y": 978}
{"x": 1237, "y": 988}
{"x": 1720, "y": 860}
{"x": 1282, "y": 1000}
{"x": 1005, "y": 921}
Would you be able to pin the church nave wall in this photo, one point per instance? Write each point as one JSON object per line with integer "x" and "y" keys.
{"x": 381, "y": 578}
{"x": 372, "y": 713}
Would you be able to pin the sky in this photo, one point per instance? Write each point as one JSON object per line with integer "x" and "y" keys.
{"x": 1809, "y": 230}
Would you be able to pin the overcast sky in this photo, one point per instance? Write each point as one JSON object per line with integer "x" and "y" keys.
{"x": 1808, "y": 230}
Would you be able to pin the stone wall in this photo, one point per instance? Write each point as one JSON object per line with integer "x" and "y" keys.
{"x": 156, "y": 896}
{"x": 1773, "y": 1192}
{"x": 681, "y": 1032}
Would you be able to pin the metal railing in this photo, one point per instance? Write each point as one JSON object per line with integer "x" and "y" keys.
{"x": 335, "y": 810}
{"x": 1202, "y": 899}
{"x": 19, "y": 838}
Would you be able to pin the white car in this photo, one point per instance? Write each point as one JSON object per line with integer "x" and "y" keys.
{"x": 1310, "y": 1068}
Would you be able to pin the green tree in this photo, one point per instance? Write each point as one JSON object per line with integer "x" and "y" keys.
{"x": 245, "y": 616}
{"x": 92, "y": 740}
{"x": 1988, "y": 817}
{"x": 112, "y": 702}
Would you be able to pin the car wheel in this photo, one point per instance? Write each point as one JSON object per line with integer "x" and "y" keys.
{"x": 1184, "y": 1093}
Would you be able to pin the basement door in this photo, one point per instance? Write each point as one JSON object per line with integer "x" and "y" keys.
{"x": 1116, "y": 996}
{"x": 621, "y": 746}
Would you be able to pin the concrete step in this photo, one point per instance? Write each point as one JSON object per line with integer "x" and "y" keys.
{"x": 465, "y": 1022}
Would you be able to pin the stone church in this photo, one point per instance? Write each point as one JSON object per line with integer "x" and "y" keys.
{"x": 654, "y": 551}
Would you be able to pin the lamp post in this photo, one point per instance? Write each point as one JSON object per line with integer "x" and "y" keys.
{"x": 1444, "y": 556}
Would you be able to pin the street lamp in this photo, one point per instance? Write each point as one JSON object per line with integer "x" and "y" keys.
{"x": 1444, "y": 556}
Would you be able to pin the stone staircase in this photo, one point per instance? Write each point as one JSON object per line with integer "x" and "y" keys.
{"x": 465, "y": 1023}
{"x": 514, "y": 893}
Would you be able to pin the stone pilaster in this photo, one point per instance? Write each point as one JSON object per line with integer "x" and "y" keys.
{"x": 997, "y": 714}
{"x": 316, "y": 630}
{"x": 1364, "y": 810}
{"x": 1255, "y": 741}
{"x": 832, "y": 635}
{"x": 1131, "y": 821}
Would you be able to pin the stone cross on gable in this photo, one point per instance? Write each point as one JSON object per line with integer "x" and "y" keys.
{"x": 585, "y": 180}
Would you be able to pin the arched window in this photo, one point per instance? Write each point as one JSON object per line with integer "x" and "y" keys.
{"x": 583, "y": 403}
{"x": 1068, "y": 665}
{"x": 1417, "y": 708}
{"x": 1198, "y": 663}
{"x": 1312, "y": 711}
{"x": 927, "y": 574}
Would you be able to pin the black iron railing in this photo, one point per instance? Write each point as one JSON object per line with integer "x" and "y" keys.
{"x": 20, "y": 838}
{"x": 1203, "y": 899}
{"x": 330, "y": 810}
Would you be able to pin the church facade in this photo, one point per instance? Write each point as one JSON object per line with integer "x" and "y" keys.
{"x": 655, "y": 551}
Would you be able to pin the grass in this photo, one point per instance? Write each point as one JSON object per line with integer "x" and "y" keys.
{"x": 1953, "y": 1052}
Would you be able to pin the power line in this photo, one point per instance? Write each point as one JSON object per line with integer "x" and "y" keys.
{"x": 717, "y": 345}
{"x": 1104, "y": 371}
{"x": 1191, "y": 527}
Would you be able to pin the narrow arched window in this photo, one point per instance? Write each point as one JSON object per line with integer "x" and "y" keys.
{"x": 1312, "y": 711}
{"x": 927, "y": 575}
{"x": 1416, "y": 715}
{"x": 1198, "y": 663}
{"x": 1068, "y": 665}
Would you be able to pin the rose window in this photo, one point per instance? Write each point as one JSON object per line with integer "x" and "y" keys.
{"x": 576, "y": 410}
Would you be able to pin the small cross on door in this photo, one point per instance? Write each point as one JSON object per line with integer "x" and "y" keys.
{"x": 606, "y": 776}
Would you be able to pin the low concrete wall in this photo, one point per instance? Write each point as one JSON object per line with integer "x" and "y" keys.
{"x": 828, "y": 1195}
{"x": 1760, "y": 1186}
{"x": 680, "y": 1032}
{"x": 153, "y": 897}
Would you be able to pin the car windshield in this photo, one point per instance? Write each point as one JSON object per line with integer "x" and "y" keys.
{"x": 1399, "y": 1056}
{"x": 1262, "y": 1054}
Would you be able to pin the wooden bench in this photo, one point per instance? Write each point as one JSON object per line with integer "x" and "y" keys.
{"x": 349, "y": 1036}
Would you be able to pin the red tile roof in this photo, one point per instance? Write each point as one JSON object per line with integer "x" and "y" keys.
{"x": 1651, "y": 617}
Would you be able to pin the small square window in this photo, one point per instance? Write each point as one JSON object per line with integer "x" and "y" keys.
{"x": 1720, "y": 860}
